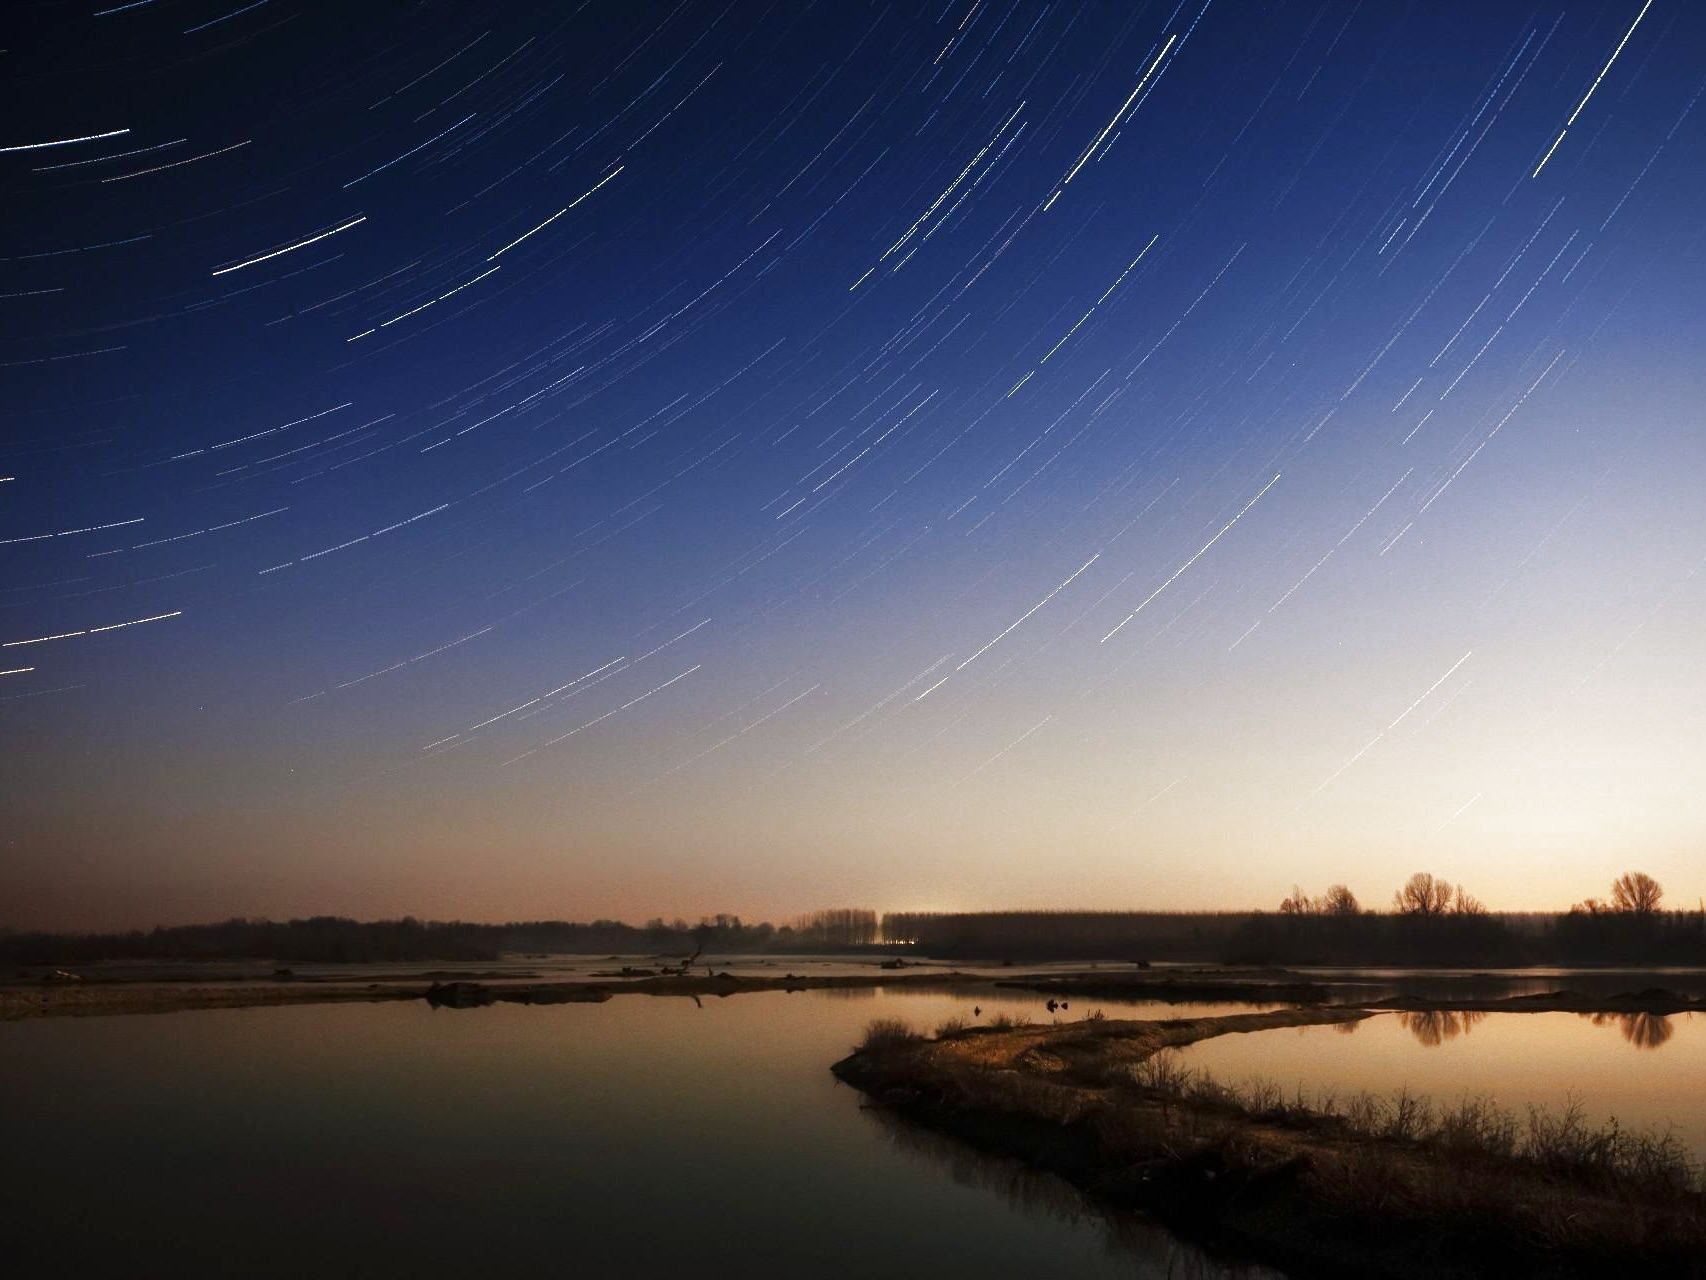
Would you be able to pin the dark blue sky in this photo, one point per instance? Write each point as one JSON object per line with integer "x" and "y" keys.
{"x": 550, "y": 460}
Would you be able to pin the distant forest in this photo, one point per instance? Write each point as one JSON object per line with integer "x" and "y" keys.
{"x": 1429, "y": 922}
{"x": 335, "y": 940}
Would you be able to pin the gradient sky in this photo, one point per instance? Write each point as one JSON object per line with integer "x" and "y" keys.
{"x": 629, "y": 459}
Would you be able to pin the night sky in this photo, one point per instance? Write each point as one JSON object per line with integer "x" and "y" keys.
{"x": 535, "y": 460}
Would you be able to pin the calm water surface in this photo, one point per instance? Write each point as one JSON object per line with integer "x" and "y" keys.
{"x": 1449, "y": 984}
{"x": 1646, "y": 1070}
{"x": 640, "y": 1137}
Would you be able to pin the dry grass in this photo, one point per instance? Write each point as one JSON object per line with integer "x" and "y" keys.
{"x": 1396, "y": 1185}
{"x": 1562, "y": 1143}
{"x": 888, "y": 1033}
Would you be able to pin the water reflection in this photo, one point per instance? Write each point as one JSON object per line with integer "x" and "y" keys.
{"x": 392, "y": 1139}
{"x": 1552, "y": 1060}
{"x": 1433, "y": 1027}
{"x": 1643, "y": 1030}
{"x": 1141, "y": 1243}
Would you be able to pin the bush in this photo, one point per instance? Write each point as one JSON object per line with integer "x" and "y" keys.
{"x": 887, "y": 1033}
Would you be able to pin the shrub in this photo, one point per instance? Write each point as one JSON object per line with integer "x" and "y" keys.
{"x": 887, "y": 1033}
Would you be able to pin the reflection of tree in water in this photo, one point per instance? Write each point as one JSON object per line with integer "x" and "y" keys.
{"x": 1347, "y": 1028}
{"x": 1433, "y": 1027}
{"x": 1643, "y": 1030}
{"x": 1155, "y": 1251}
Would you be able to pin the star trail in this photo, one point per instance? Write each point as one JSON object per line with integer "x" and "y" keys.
{"x": 530, "y": 459}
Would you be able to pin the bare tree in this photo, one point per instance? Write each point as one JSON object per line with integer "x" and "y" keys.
{"x": 839, "y": 927}
{"x": 1340, "y": 901}
{"x": 1636, "y": 892}
{"x": 1298, "y": 904}
{"x": 1423, "y": 895}
{"x": 1464, "y": 903}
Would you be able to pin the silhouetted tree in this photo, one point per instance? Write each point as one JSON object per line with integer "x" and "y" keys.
{"x": 1637, "y": 893}
{"x": 1340, "y": 901}
{"x": 1423, "y": 895}
{"x": 838, "y": 927}
{"x": 1297, "y": 904}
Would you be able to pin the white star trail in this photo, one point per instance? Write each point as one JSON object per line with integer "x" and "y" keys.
{"x": 1201, "y": 551}
{"x": 1379, "y": 737}
{"x": 64, "y": 142}
{"x": 1591, "y": 88}
{"x": 668, "y": 403}
{"x": 291, "y": 248}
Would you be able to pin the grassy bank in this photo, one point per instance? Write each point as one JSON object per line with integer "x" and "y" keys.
{"x": 1365, "y": 1186}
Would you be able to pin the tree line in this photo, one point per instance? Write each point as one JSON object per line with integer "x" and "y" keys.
{"x": 1429, "y": 921}
{"x": 1078, "y": 935}
{"x": 1433, "y": 921}
{"x": 338, "y": 940}
{"x": 838, "y": 927}
{"x": 1634, "y": 893}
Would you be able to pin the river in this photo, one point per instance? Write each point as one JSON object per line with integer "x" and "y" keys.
{"x": 644, "y": 1136}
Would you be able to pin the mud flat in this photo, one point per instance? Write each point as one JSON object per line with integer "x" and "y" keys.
{"x": 1315, "y": 1193}
{"x": 19, "y": 1000}
{"x": 71, "y": 998}
{"x": 1230, "y": 986}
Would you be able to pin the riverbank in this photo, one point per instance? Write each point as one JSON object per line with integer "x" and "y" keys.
{"x": 1272, "y": 1180}
{"x": 70, "y": 997}
{"x": 1476, "y": 992}
{"x": 48, "y": 993}
{"x": 1253, "y": 986}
